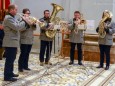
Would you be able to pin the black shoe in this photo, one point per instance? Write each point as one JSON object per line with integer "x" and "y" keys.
{"x": 48, "y": 63}
{"x": 70, "y": 63}
{"x": 27, "y": 69}
{"x": 107, "y": 67}
{"x": 99, "y": 66}
{"x": 10, "y": 79}
{"x": 80, "y": 63}
{"x": 41, "y": 63}
{"x": 15, "y": 75}
{"x": 20, "y": 70}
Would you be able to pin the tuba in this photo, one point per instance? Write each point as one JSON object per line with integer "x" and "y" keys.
{"x": 50, "y": 33}
{"x": 106, "y": 15}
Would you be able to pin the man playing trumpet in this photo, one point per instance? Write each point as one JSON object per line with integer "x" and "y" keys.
{"x": 76, "y": 37}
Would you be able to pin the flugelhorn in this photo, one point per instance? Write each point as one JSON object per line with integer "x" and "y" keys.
{"x": 30, "y": 20}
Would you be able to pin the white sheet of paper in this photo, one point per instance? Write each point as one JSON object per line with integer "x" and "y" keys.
{"x": 81, "y": 27}
{"x": 57, "y": 27}
{"x": 90, "y": 24}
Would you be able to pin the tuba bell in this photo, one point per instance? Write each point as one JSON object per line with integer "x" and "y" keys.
{"x": 101, "y": 32}
{"x": 50, "y": 33}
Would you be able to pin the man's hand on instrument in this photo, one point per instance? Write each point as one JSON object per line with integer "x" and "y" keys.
{"x": 77, "y": 22}
{"x": 28, "y": 20}
{"x": 51, "y": 26}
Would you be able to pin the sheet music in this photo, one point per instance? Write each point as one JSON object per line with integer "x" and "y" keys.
{"x": 90, "y": 24}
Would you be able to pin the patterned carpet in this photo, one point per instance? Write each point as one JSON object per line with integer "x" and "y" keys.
{"x": 59, "y": 74}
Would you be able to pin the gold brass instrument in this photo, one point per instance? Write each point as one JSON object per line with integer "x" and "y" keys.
{"x": 101, "y": 31}
{"x": 35, "y": 20}
{"x": 30, "y": 20}
{"x": 63, "y": 25}
{"x": 50, "y": 33}
{"x": 81, "y": 25}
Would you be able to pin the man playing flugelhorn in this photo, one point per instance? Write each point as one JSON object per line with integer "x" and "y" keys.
{"x": 76, "y": 36}
{"x": 26, "y": 41}
{"x": 11, "y": 40}
{"x": 105, "y": 30}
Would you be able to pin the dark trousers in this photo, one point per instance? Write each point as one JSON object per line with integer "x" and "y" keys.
{"x": 72, "y": 51}
{"x": 45, "y": 46}
{"x": 24, "y": 56}
{"x": 9, "y": 63}
{"x": 105, "y": 50}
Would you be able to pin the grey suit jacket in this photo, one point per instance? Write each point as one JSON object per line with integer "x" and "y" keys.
{"x": 42, "y": 32}
{"x": 26, "y": 36}
{"x": 108, "y": 39}
{"x": 11, "y": 29}
{"x": 75, "y": 38}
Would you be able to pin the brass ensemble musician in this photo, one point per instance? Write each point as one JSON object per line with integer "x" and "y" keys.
{"x": 76, "y": 27}
{"x": 45, "y": 42}
{"x": 11, "y": 40}
{"x": 1, "y": 40}
{"x": 105, "y": 30}
{"x": 47, "y": 33}
{"x": 26, "y": 41}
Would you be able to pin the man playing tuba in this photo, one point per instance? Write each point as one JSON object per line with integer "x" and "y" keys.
{"x": 46, "y": 42}
{"x": 47, "y": 33}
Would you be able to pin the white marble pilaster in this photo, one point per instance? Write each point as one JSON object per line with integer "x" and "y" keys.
{"x": 113, "y": 10}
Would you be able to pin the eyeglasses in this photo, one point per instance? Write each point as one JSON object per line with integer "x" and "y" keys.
{"x": 27, "y": 13}
{"x": 47, "y": 13}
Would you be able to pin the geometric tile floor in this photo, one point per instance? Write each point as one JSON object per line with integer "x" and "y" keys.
{"x": 60, "y": 74}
